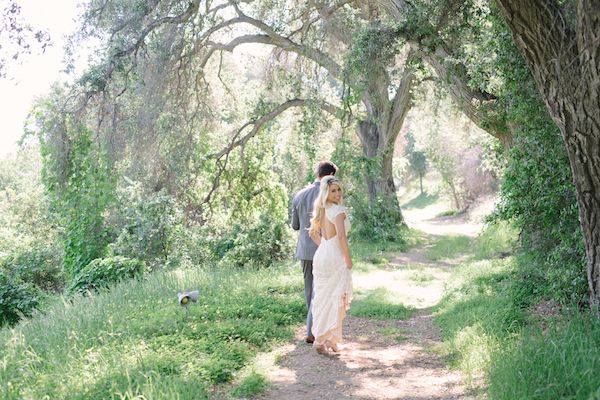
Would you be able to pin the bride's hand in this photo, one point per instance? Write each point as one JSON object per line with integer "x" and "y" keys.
{"x": 349, "y": 264}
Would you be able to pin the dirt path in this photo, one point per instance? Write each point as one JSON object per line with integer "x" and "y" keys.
{"x": 370, "y": 366}
{"x": 389, "y": 359}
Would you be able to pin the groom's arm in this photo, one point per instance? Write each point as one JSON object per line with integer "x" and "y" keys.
{"x": 295, "y": 217}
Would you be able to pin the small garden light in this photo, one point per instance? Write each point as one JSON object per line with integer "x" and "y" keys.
{"x": 186, "y": 297}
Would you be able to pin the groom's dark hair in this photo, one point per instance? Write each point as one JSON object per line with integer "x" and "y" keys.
{"x": 326, "y": 168}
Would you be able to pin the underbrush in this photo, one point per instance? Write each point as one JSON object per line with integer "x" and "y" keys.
{"x": 492, "y": 334}
{"x": 560, "y": 362}
{"x": 477, "y": 316}
{"x": 136, "y": 341}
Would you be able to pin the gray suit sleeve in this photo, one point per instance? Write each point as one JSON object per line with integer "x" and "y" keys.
{"x": 295, "y": 218}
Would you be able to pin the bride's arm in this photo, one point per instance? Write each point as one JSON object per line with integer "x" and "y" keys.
{"x": 341, "y": 233}
{"x": 315, "y": 237}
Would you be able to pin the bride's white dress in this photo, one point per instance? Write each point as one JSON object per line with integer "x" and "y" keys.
{"x": 332, "y": 285}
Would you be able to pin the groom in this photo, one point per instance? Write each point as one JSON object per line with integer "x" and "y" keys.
{"x": 302, "y": 206}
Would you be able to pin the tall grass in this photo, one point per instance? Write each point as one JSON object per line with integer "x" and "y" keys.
{"x": 135, "y": 341}
{"x": 502, "y": 348}
{"x": 560, "y": 363}
{"x": 498, "y": 239}
{"x": 476, "y": 316}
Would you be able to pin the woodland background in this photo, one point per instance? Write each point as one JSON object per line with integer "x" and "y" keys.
{"x": 181, "y": 146}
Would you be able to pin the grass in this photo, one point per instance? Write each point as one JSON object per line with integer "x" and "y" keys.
{"x": 252, "y": 385}
{"x": 377, "y": 305}
{"x": 448, "y": 213}
{"x": 421, "y": 278}
{"x": 561, "y": 363}
{"x": 137, "y": 342}
{"x": 370, "y": 256}
{"x": 448, "y": 247}
{"x": 501, "y": 348}
{"x": 398, "y": 334}
{"x": 421, "y": 201}
{"x": 476, "y": 316}
{"x": 496, "y": 240}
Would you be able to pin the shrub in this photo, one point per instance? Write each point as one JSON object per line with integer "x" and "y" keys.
{"x": 376, "y": 222}
{"x": 146, "y": 224}
{"x": 537, "y": 192}
{"x": 260, "y": 245}
{"x": 102, "y": 272}
{"x": 40, "y": 266}
{"x": 17, "y": 299}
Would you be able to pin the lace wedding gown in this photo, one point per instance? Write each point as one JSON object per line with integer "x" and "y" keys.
{"x": 332, "y": 286}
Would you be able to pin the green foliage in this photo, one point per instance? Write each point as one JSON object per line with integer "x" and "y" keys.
{"x": 537, "y": 193}
{"x": 17, "y": 299}
{"x": 252, "y": 385}
{"x": 378, "y": 305}
{"x": 561, "y": 363}
{"x": 375, "y": 221}
{"x": 417, "y": 161}
{"x": 40, "y": 266}
{"x": 259, "y": 245}
{"x": 148, "y": 345}
{"x": 149, "y": 224}
{"x": 77, "y": 178}
{"x": 448, "y": 247}
{"x": 104, "y": 272}
{"x": 83, "y": 202}
{"x": 374, "y": 47}
{"x": 24, "y": 217}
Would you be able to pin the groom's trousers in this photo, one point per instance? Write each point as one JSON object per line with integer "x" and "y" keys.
{"x": 307, "y": 267}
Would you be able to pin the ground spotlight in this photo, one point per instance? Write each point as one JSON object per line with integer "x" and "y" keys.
{"x": 185, "y": 298}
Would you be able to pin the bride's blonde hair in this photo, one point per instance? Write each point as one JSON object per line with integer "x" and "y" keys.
{"x": 320, "y": 202}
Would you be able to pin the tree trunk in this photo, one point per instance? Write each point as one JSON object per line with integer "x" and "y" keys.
{"x": 421, "y": 182}
{"x": 379, "y": 180}
{"x": 378, "y": 134}
{"x": 565, "y": 63}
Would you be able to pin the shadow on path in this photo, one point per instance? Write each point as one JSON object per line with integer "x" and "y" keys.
{"x": 371, "y": 365}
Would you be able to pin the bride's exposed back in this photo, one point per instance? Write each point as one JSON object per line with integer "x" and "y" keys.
{"x": 331, "y": 265}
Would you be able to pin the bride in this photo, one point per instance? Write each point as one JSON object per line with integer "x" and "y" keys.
{"x": 331, "y": 266}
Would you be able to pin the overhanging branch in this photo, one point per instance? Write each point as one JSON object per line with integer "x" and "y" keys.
{"x": 222, "y": 157}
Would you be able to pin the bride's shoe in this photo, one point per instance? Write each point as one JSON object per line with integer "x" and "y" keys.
{"x": 332, "y": 346}
{"x": 320, "y": 348}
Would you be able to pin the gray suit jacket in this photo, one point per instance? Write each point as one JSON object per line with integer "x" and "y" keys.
{"x": 302, "y": 207}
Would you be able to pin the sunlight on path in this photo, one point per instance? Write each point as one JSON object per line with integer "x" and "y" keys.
{"x": 381, "y": 359}
{"x": 370, "y": 366}
{"x": 403, "y": 289}
{"x": 469, "y": 224}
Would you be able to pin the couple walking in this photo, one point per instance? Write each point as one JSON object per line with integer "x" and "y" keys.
{"x": 318, "y": 213}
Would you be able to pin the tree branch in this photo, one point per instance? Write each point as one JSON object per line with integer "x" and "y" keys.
{"x": 222, "y": 157}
